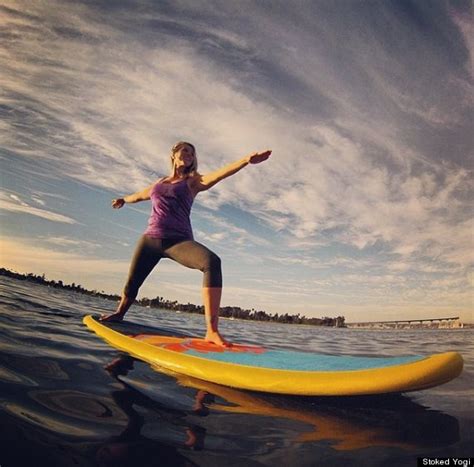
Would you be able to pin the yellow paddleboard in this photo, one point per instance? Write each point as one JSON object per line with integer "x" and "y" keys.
{"x": 285, "y": 372}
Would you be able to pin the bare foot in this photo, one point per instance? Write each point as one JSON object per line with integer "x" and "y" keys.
{"x": 216, "y": 338}
{"x": 112, "y": 317}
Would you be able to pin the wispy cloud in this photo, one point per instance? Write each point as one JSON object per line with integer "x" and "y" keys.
{"x": 229, "y": 232}
{"x": 69, "y": 242}
{"x": 12, "y": 203}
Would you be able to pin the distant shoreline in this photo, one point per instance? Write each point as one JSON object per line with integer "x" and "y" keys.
{"x": 230, "y": 312}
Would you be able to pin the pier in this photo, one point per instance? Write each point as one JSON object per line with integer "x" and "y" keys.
{"x": 431, "y": 323}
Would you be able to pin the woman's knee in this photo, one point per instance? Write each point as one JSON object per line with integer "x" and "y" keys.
{"x": 212, "y": 263}
{"x": 212, "y": 271}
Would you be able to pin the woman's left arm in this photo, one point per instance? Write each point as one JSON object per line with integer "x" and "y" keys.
{"x": 204, "y": 182}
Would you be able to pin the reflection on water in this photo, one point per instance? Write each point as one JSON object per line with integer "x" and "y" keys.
{"x": 69, "y": 399}
{"x": 349, "y": 423}
{"x": 133, "y": 444}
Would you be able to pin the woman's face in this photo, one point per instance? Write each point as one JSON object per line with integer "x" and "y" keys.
{"x": 184, "y": 156}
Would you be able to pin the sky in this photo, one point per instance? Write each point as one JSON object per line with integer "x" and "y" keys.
{"x": 365, "y": 207}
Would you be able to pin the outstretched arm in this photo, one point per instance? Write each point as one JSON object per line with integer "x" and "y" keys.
{"x": 204, "y": 182}
{"x": 143, "y": 195}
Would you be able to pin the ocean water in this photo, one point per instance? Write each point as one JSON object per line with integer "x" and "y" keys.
{"x": 68, "y": 399}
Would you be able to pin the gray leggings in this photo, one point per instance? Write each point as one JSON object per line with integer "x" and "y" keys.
{"x": 186, "y": 252}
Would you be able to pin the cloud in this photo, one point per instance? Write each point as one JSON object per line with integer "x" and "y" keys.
{"x": 12, "y": 203}
{"x": 70, "y": 243}
{"x": 229, "y": 232}
{"x": 41, "y": 194}
{"x": 38, "y": 201}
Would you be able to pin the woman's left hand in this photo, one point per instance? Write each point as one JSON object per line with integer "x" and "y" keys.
{"x": 258, "y": 157}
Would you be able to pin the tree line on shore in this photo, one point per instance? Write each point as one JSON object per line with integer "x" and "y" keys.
{"x": 234, "y": 312}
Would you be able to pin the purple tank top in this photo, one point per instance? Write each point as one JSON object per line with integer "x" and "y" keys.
{"x": 170, "y": 211}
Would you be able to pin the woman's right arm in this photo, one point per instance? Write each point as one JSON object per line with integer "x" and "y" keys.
{"x": 143, "y": 195}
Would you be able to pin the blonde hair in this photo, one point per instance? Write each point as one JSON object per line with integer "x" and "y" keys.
{"x": 192, "y": 169}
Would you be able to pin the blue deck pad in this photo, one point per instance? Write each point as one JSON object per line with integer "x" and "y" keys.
{"x": 301, "y": 361}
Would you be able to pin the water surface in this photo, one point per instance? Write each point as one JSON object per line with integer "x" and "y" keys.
{"x": 69, "y": 399}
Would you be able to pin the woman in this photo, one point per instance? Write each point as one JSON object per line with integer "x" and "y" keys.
{"x": 169, "y": 233}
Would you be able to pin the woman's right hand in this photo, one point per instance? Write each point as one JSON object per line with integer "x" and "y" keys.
{"x": 118, "y": 203}
{"x": 258, "y": 157}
